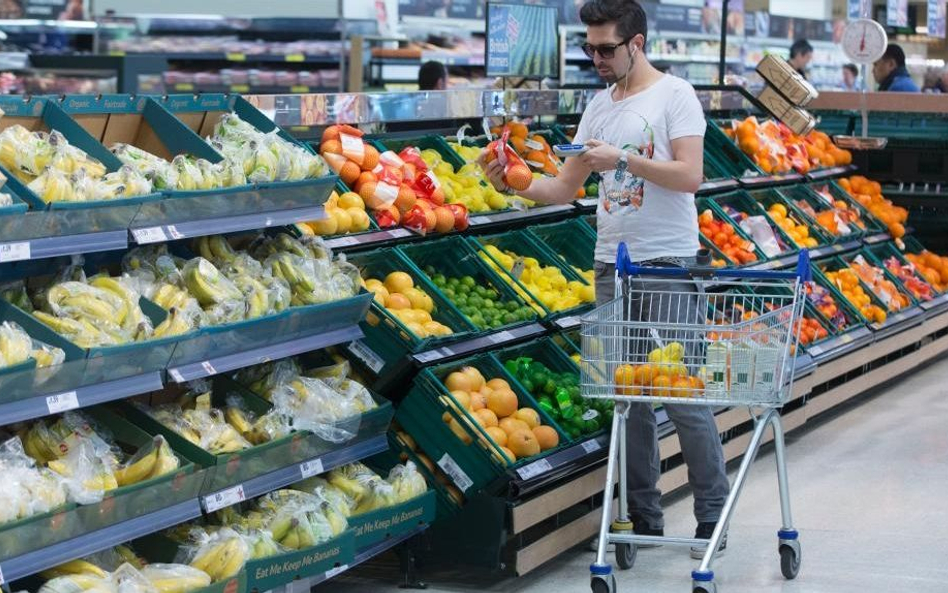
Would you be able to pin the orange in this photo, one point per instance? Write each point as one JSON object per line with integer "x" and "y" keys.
{"x": 444, "y": 219}
{"x": 458, "y": 381}
{"x": 330, "y": 147}
{"x": 546, "y": 436}
{"x": 459, "y": 431}
{"x": 681, "y": 387}
{"x": 397, "y": 300}
{"x": 518, "y": 144}
{"x": 486, "y": 418}
{"x": 349, "y": 173}
{"x": 523, "y": 443}
{"x": 497, "y": 435}
{"x": 478, "y": 401}
{"x": 528, "y": 415}
{"x": 462, "y": 397}
{"x": 406, "y": 199}
{"x": 624, "y": 378}
{"x": 518, "y": 130}
{"x": 510, "y": 425}
{"x": 475, "y": 375}
{"x": 371, "y": 158}
{"x": 503, "y": 402}
{"x": 661, "y": 385}
{"x": 645, "y": 374}
{"x": 518, "y": 177}
{"x": 497, "y": 383}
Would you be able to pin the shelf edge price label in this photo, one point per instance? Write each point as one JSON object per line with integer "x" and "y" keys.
{"x": 534, "y": 469}
{"x": 208, "y": 367}
{"x": 311, "y": 468}
{"x": 236, "y": 57}
{"x": 454, "y": 471}
{"x": 336, "y": 570}
{"x": 15, "y": 251}
{"x": 62, "y": 402}
{"x": 299, "y": 88}
{"x": 154, "y": 234}
{"x": 367, "y": 355}
{"x": 591, "y": 445}
{"x": 399, "y": 233}
{"x": 1, "y": 576}
{"x": 295, "y": 57}
{"x": 176, "y": 375}
{"x": 224, "y": 498}
{"x": 504, "y": 336}
{"x": 240, "y": 88}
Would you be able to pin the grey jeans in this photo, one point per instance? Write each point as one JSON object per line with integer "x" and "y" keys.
{"x": 697, "y": 433}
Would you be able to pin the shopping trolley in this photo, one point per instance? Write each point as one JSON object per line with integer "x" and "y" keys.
{"x": 693, "y": 336}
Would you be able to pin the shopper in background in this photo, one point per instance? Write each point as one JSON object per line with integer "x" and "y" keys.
{"x": 801, "y": 52}
{"x": 889, "y": 71}
{"x": 432, "y": 76}
{"x": 644, "y": 134}
{"x": 850, "y": 78}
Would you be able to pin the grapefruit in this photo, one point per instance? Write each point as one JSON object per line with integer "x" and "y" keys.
{"x": 459, "y": 431}
{"x": 497, "y": 383}
{"x": 523, "y": 443}
{"x": 397, "y": 300}
{"x": 512, "y": 425}
{"x": 398, "y": 282}
{"x": 503, "y": 402}
{"x": 343, "y": 220}
{"x": 546, "y": 436}
{"x": 475, "y": 376}
{"x": 511, "y": 458}
{"x": 458, "y": 381}
{"x": 530, "y": 416}
{"x": 350, "y": 200}
{"x": 486, "y": 418}
{"x": 478, "y": 401}
{"x": 462, "y": 397}
{"x": 497, "y": 435}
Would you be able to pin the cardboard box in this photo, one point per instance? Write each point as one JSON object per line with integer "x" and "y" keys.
{"x": 798, "y": 120}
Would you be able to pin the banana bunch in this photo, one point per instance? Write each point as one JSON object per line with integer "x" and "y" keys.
{"x": 16, "y": 346}
{"x": 98, "y": 312}
{"x": 175, "y": 578}
{"x": 154, "y": 459}
{"x": 27, "y": 154}
{"x": 264, "y": 157}
{"x": 206, "y": 283}
{"x": 202, "y": 425}
{"x": 178, "y": 322}
{"x": 154, "y": 168}
{"x": 78, "y": 566}
{"x": 26, "y": 489}
{"x": 407, "y": 482}
{"x": 15, "y": 294}
{"x": 216, "y": 249}
{"x": 222, "y": 555}
{"x": 78, "y": 583}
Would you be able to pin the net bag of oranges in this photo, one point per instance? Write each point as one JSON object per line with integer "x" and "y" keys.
{"x": 517, "y": 174}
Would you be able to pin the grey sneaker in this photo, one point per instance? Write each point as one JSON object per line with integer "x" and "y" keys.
{"x": 704, "y": 531}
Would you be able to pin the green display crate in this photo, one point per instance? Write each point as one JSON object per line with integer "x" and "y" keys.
{"x": 157, "y": 547}
{"x": 802, "y": 196}
{"x": 572, "y": 240}
{"x": 868, "y": 259}
{"x": 382, "y": 524}
{"x": 522, "y": 244}
{"x": 473, "y": 465}
{"x": 726, "y": 153}
{"x": 556, "y": 360}
{"x": 265, "y": 574}
{"x": 384, "y": 332}
{"x": 882, "y": 252}
{"x": 871, "y": 224}
{"x": 740, "y": 201}
{"x": 453, "y": 257}
{"x": 833, "y": 264}
{"x": 768, "y": 197}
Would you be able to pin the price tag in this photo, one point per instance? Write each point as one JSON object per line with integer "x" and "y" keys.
{"x": 337, "y": 570}
{"x": 845, "y": 338}
{"x": 240, "y": 88}
{"x": 14, "y": 251}
{"x": 311, "y": 468}
{"x": 299, "y": 88}
{"x": 236, "y": 57}
{"x": 428, "y": 356}
{"x": 504, "y": 336}
{"x": 176, "y": 375}
{"x": 399, "y": 233}
{"x": 477, "y": 220}
{"x": 173, "y": 231}
{"x": 184, "y": 86}
{"x": 591, "y": 445}
{"x": 343, "y": 242}
{"x": 517, "y": 269}
{"x": 153, "y": 234}
{"x": 454, "y": 471}
{"x": 567, "y": 322}
{"x": 208, "y": 368}
{"x": 62, "y": 402}
{"x": 295, "y": 57}
{"x": 224, "y": 498}
{"x": 534, "y": 469}
{"x": 1, "y": 576}
{"x": 367, "y": 355}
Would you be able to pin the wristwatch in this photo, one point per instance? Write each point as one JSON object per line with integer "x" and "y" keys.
{"x": 622, "y": 164}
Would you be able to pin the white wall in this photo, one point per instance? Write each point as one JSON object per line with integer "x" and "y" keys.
{"x": 805, "y": 9}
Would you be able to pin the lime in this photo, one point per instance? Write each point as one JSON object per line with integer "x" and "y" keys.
{"x": 468, "y": 281}
{"x": 475, "y": 301}
{"x": 430, "y": 270}
{"x": 439, "y": 280}
{"x": 511, "y": 306}
{"x": 510, "y": 318}
{"x": 488, "y": 304}
{"x": 449, "y": 292}
{"x": 453, "y": 282}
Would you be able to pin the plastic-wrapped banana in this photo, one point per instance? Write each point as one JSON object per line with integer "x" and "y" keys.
{"x": 222, "y": 555}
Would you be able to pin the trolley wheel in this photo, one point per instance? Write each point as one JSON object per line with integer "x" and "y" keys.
{"x": 790, "y": 562}
{"x": 625, "y": 555}
{"x": 603, "y": 584}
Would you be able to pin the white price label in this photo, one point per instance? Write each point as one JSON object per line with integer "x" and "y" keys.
{"x": 337, "y": 570}
{"x": 224, "y": 498}
{"x": 534, "y": 469}
{"x": 154, "y": 234}
{"x": 311, "y": 468}
{"x": 343, "y": 242}
{"x": 1, "y": 576}
{"x": 435, "y": 354}
{"x": 62, "y": 402}
{"x": 567, "y": 322}
{"x": 176, "y": 375}
{"x": 208, "y": 368}
{"x": 399, "y": 233}
{"x": 15, "y": 251}
{"x": 480, "y": 220}
{"x": 591, "y": 445}
{"x": 173, "y": 231}
{"x": 268, "y": 221}
{"x": 367, "y": 355}
{"x": 504, "y": 336}
{"x": 454, "y": 471}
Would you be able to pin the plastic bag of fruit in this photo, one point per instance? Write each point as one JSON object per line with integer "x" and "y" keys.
{"x": 517, "y": 174}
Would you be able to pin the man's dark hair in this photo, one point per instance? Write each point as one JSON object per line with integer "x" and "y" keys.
{"x": 430, "y": 73}
{"x": 800, "y": 47}
{"x": 628, "y": 15}
{"x": 895, "y": 53}
{"x": 852, "y": 68}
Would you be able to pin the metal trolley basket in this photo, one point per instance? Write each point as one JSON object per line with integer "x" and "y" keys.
{"x": 695, "y": 336}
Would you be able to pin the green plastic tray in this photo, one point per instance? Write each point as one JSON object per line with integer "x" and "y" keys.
{"x": 461, "y": 260}
{"x": 767, "y": 197}
{"x": 703, "y": 204}
{"x": 572, "y": 240}
{"x": 742, "y": 202}
{"x": 833, "y": 264}
{"x": 867, "y": 255}
{"x": 880, "y": 252}
{"x": 802, "y": 193}
{"x": 872, "y": 224}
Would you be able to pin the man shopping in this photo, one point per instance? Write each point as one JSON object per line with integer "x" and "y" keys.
{"x": 644, "y": 135}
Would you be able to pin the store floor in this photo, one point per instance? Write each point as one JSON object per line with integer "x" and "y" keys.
{"x": 868, "y": 489}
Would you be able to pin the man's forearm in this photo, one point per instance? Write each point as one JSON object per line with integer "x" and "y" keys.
{"x": 673, "y": 175}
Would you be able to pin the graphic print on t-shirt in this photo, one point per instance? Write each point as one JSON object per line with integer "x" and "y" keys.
{"x": 624, "y": 192}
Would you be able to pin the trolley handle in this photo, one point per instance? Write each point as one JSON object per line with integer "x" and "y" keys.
{"x": 626, "y": 268}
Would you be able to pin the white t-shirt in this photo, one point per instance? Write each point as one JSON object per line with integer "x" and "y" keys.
{"x": 652, "y": 220}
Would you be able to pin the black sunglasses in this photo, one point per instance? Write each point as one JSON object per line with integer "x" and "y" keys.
{"x": 606, "y": 50}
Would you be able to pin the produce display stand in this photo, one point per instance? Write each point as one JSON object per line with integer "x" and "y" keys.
{"x": 516, "y": 518}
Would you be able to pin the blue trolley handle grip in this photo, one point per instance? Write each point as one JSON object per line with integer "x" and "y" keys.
{"x": 626, "y": 268}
